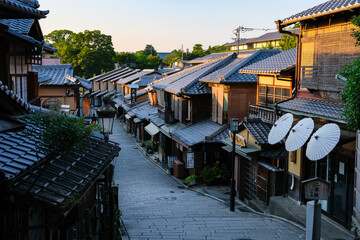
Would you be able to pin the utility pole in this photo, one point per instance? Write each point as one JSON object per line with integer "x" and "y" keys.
{"x": 244, "y": 29}
{"x": 182, "y": 52}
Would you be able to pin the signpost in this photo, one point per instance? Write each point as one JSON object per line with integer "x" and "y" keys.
{"x": 315, "y": 189}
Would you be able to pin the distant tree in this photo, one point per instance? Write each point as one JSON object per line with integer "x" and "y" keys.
{"x": 173, "y": 57}
{"x": 216, "y": 49}
{"x": 198, "y": 51}
{"x": 90, "y": 52}
{"x": 287, "y": 42}
{"x": 269, "y": 46}
{"x": 149, "y": 50}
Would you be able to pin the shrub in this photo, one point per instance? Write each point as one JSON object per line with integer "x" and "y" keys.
{"x": 216, "y": 174}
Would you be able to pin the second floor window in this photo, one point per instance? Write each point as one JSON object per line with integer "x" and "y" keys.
{"x": 269, "y": 95}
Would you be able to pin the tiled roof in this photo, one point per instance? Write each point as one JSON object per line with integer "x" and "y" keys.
{"x": 114, "y": 75}
{"x": 199, "y": 88}
{"x": 146, "y": 80}
{"x": 327, "y": 8}
{"x": 61, "y": 74}
{"x": 26, "y": 7}
{"x": 184, "y": 80}
{"x": 315, "y": 108}
{"x": 19, "y": 25}
{"x": 135, "y": 76}
{"x": 273, "y": 64}
{"x": 138, "y": 94}
{"x": 209, "y": 57}
{"x": 241, "y": 78}
{"x": 155, "y": 119}
{"x": 241, "y": 42}
{"x": 196, "y": 133}
{"x": 144, "y": 111}
{"x": 220, "y": 137}
{"x": 49, "y": 49}
{"x": 230, "y": 72}
{"x": 11, "y": 102}
{"x": 168, "y": 71}
{"x": 258, "y": 129}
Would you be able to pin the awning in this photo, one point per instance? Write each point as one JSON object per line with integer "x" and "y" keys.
{"x": 137, "y": 120}
{"x": 152, "y": 129}
{"x": 127, "y": 116}
{"x": 229, "y": 149}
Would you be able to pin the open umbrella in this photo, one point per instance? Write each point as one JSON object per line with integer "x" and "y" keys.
{"x": 299, "y": 134}
{"x": 323, "y": 141}
{"x": 280, "y": 128}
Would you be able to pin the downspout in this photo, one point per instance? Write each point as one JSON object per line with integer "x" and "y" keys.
{"x": 297, "y": 85}
{"x": 280, "y": 29}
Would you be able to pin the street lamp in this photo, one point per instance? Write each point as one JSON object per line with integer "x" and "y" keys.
{"x": 234, "y": 126}
{"x": 106, "y": 114}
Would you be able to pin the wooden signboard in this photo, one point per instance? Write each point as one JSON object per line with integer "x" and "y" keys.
{"x": 316, "y": 189}
{"x": 239, "y": 140}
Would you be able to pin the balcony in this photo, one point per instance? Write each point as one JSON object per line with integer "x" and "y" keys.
{"x": 268, "y": 115}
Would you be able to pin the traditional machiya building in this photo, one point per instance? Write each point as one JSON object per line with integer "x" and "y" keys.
{"x": 105, "y": 84}
{"x": 184, "y": 104}
{"x": 59, "y": 86}
{"x": 271, "y": 39}
{"x": 232, "y": 91}
{"x": 325, "y": 45}
{"x": 260, "y": 167}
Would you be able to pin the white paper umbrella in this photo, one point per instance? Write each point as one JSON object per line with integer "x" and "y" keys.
{"x": 280, "y": 128}
{"x": 323, "y": 141}
{"x": 299, "y": 134}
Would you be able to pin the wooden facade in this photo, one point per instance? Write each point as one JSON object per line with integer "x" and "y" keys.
{"x": 326, "y": 46}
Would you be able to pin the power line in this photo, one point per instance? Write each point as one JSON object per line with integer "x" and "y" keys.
{"x": 242, "y": 29}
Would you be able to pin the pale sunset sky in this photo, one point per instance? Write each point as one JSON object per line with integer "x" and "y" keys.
{"x": 167, "y": 24}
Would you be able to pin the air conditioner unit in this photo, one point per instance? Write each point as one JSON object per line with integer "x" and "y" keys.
{"x": 69, "y": 92}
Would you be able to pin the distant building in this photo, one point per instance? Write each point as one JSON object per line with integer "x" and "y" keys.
{"x": 266, "y": 40}
{"x": 162, "y": 55}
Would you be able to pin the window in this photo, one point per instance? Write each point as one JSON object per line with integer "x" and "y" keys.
{"x": 19, "y": 85}
{"x": 269, "y": 95}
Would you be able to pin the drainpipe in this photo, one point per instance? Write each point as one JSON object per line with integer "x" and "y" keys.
{"x": 280, "y": 29}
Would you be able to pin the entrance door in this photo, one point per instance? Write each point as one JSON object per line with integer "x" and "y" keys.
{"x": 342, "y": 187}
{"x": 249, "y": 173}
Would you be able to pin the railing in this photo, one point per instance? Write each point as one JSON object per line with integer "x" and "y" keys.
{"x": 266, "y": 114}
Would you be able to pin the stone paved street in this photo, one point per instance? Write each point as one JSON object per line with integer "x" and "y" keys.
{"x": 155, "y": 206}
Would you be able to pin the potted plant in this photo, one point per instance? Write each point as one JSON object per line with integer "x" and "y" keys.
{"x": 191, "y": 180}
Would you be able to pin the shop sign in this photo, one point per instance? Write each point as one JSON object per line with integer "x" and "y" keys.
{"x": 171, "y": 160}
{"x": 190, "y": 159}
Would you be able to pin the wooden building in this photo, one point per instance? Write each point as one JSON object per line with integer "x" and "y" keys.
{"x": 325, "y": 46}
{"x": 59, "y": 86}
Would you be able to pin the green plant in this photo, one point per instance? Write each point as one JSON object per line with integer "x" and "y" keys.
{"x": 190, "y": 178}
{"x": 216, "y": 174}
{"x": 142, "y": 144}
{"x": 149, "y": 145}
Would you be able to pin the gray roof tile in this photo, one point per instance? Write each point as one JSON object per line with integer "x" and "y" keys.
{"x": 323, "y": 9}
{"x": 322, "y": 109}
{"x": 209, "y": 57}
{"x": 196, "y": 133}
{"x": 146, "y": 80}
{"x": 27, "y": 7}
{"x": 272, "y": 64}
{"x": 138, "y": 94}
{"x": 13, "y": 99}
{"x": 19, "y": 25}
{"x": 60, "y": 74}
{"x": 136, "y": 76}
{"x": 257, "y": 128}
{"x": 185, "y": 80}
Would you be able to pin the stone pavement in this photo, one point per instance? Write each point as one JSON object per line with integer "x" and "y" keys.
{"x": 155, "y": 206}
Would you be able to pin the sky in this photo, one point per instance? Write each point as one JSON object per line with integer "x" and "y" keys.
{"x": 168, "y": 24}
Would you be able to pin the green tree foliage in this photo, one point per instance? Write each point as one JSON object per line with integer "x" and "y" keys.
{"x": 90, "y": 52}
{"x": 350, "y": 94}
{"x": 149, "y": 50}
{"x": 143, "y": 59}
{"x": 287, "y": 42}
